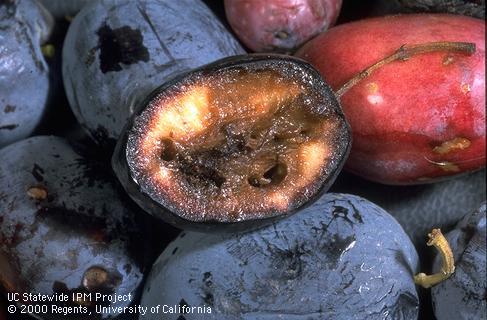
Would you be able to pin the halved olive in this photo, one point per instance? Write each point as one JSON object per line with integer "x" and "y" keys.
{"x": 247, "y": 138}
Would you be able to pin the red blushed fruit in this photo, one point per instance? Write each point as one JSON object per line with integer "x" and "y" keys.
{"x": 413, "y": 121}
{"x": 280, "y": 25}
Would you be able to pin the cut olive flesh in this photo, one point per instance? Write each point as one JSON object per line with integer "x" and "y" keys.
{"x": 236, "y": 144}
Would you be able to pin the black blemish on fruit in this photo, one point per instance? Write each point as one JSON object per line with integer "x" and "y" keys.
{"x": 9, "y": 127}
{"x": 163, "y": 46}
{"x": 335, "y": 248}
{"x": 356, "y": 215}
{"x": 284, "y": 262}
{"x": 207, "y": 279}
{"x": 405, "y": 301}
{"x": 103, "y": 137}
{"x": 339, "y": 211}
{"x": 94, "y": 172}
{"x": 209, "y": 299}
{"x": 15, "y": 238}
{"x": 9, "y": 108}
{"x": 10, "y": 4}
{"x": 59, "y": 286}
{"x": 349, "y": 282}
{"x": 121, "y": 45}
{"x": 37, "y": 173}
{"x": 207, "y": 294}
{"x": 288, "y": 260}
{"x": 183, "y": 305}
{"x": 76, "y": 222}
{"x": 402, "y": 261}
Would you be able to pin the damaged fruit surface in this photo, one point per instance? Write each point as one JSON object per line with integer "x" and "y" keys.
{"x": 63, "y": 227}
{"x": 330, "y": 261}
{"x": 117, "y": 51}
{"x": 244, "y": 139}
{"x": 414, "y": 120}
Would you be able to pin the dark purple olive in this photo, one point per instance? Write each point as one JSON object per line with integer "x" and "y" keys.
{"x": 64, "y": 228}
{"x": 341, "y": 258}
{"x": 463, "y": 294}
{"x": 474, "y": 8}
{"x": 24, "y": 74}
{"x": 64, "y": 8}
{"x": 353, "y": 10}
{"x": 117, "y": 51}
{"x": 423, "y": 207}
{"x": 239, "y": 142}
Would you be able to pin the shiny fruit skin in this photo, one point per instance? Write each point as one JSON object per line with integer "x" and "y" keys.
{"x": 24, "y": 72}
{"x": 462, "y": 296}
{"x": 413, "y": 121}
{"x": 64, "y": 228}
{"x": 280, "y": 25}
{"x": 421, "y": 208}
{"x": 330, "y": 261}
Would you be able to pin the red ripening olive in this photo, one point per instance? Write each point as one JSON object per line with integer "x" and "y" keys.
{"x": 414, "y": 120}
{"x": 280, "y": 25}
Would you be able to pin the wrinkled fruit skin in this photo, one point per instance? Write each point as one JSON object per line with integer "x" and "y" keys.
{"x": 117, "y": 52}
{"x": 24, "y": 81}
{"x": 474, "y": 8}
{"x": 462, "y": 296}
{"x": 189, "y": 152}
{"x": 280, "y": 25}
{"x": 421, "y": 208}
{"x": 319, "y": 264}
{"x": 413, "y": 121}
{"x": 63, "y": 227}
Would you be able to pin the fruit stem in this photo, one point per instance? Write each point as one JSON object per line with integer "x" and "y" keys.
{"x": 404, "y": 53}
{"x": 438, "y": 240}
{"x": 48, "y": 50}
